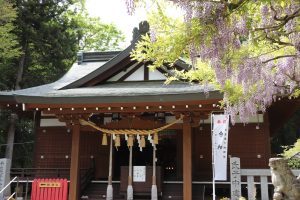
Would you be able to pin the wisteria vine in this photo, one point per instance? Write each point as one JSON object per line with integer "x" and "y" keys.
{"x": 253, "y": 47}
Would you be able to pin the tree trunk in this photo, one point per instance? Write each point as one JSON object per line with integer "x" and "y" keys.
{"x": 20, "y": 70}
{"x": 13, "y": 117}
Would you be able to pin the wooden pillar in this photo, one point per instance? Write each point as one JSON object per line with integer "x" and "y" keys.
{"x": 187, "y": 159}
{"x": 75, "y": 168}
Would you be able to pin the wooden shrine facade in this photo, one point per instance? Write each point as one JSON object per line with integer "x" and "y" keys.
{"x": 115, "y": 92}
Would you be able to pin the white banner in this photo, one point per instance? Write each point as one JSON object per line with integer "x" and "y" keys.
{"x": 220, "y": 144}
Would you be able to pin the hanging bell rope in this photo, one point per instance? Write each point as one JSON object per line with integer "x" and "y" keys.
{"x": 129, "y": 131}
{"x": 129, "y": 186}
{"x": 154, "y": 195}
{"x": 109, "y": 190}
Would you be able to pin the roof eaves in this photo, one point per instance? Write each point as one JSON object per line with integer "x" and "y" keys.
{"x": 7, "y": 97}
{"x": 117, "y": 99}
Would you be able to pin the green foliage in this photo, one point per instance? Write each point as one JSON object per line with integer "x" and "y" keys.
{"x": 292, "y": 153}
{"x": 9, "y": 48}
{"x": 169, "y": 44}
{"x": 98, "y": 36}
{"x": 286, "y": 142}
{"x": 4, "y": 115}
{"x": 24, "y": 144}
{"x": 8, "y": 45}
{"x": 50, "y": 33}
{"x": 252, "y": 47}
{"x": 24, "y": 139}
{"x": 39, "y": 41}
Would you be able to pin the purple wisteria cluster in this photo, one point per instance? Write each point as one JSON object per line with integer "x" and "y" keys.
{"x": 268, "y": 70}
{"x": 130, "y": 4}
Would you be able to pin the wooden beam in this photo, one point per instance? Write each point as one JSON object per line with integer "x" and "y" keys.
{"x": 75, "y": 168}
{"x": 205, "y": 109}
{"x": 146, "y": 71}
{"x": 187, "y": 159}
{"x": 130, "y": 72}
{"x": 110, "y": 72}
{"x": 207, "y": 102}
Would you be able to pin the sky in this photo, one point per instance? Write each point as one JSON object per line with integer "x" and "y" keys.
{"x": 115, "y": 11}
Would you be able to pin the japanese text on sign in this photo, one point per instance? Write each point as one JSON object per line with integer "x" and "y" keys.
{"x": 235, "y": 178}
{"x": 220, "y": 144}
{"x": 139, "y": 173}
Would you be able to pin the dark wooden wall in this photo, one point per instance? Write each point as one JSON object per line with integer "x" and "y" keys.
{"x": 246, "y": 142}
{"x": 54, "y": 143}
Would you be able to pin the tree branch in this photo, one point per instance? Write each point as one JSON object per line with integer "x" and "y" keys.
{"x": 235, "y": 6}
{"x": 278, "y": 57}
{"x": 284, "y": 20}
{"x": 278, "y": 41}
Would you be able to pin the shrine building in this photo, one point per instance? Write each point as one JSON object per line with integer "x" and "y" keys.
{"x": 105, "y": 99}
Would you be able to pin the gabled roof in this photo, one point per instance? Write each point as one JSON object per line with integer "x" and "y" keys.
{"x": 86, "y": 82}
{"x": 118, "y": 63}
{"x": 115, "y": 64}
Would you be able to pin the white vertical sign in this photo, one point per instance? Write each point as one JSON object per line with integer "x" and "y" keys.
{"x": 220, "y": 144}
{"x": 4, "y": 176}
{"x": 235, "y": 178}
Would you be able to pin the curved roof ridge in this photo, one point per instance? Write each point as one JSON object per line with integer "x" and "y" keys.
{"x": 106, "y": 66}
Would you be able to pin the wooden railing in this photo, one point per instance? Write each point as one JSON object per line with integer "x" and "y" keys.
{"x": 254, "y": 179}
{"x": 32, "y": 173}
{"x": 25, "y": 176}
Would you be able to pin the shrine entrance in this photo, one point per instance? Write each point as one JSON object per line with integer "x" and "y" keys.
{"x": 168, "y": 153}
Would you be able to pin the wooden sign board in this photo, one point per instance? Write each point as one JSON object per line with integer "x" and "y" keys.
{"x": 139, "y": 173}
{"x": 235, "y": 178}
{"x": 49, "y": 184}
{"x": 141, "y": 187}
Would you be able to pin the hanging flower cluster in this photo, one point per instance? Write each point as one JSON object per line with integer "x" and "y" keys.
{"x": 252, "y": 47}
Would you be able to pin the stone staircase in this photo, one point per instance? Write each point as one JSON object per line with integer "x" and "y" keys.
{"x": 97, "y": 191}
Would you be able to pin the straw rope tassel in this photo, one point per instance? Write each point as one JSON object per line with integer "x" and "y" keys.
{"x": 109, "y": 191}
{"x": 117, "y": 141}
{"x": 130, "y": 141}
{"x": 129, "y": 187}
{"x": 104, "y": 139}
{"x": 154, "y": 186}
{"x": 155, "y": 138}
{"x": 128, "y": 131}
{"x": 143, "y": 142}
